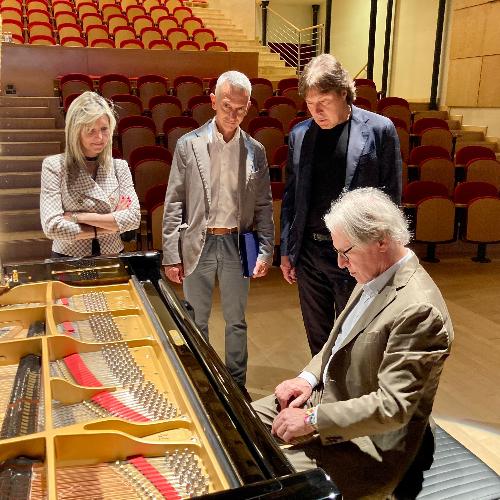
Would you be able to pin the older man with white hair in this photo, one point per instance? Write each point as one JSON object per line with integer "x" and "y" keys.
{"x": 360, "y": 409}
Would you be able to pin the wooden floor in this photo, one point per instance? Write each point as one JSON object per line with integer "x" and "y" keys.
{"x": 468, "y": 399}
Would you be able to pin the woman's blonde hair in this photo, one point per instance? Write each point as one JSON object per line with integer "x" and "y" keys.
{"x": 82, "y": 113}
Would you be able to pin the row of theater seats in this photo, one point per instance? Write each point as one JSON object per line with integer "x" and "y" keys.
{"x": 471, "y": 214}
{"x": 121, "y": 25}
{"x": 413, "y": 129}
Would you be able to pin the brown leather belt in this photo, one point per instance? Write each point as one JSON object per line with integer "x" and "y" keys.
{"x": 221, "y": 230}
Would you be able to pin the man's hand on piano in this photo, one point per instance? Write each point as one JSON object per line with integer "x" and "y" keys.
{"x": 293, "y": 393}
{"x": 290, "y": 424}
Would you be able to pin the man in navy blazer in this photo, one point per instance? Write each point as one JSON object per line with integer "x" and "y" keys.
{"x": 341, "y": 147}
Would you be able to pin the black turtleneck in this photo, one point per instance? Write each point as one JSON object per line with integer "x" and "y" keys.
{"x": 328, "y": 174}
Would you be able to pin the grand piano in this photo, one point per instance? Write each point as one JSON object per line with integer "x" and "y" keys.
{"x": 108, "y": 390}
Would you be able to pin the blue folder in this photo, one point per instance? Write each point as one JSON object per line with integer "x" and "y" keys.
{"x": 249, "y": 249}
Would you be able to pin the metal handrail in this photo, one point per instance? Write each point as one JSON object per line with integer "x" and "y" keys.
{"x": 295, "y": 45}
{"x": 361, "y": 71}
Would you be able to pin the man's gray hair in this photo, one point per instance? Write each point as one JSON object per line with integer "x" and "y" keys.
{"x": 325, "y": 74}
{"x": 235, "y": 79}
{"x": 367, "y": 215}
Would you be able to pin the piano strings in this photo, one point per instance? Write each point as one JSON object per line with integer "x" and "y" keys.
{"x": 22, "y": 408}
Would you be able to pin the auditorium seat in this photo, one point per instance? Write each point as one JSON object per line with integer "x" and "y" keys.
{"x": 104, "y": 43}
{"x": 96, "y": 32}
{"x": 215, "y": 46}
{"x": 123, "y": 33}
{"x": 73, "y": 41}
{"x": 268, "y": 134}
{"x": 39, "y": 28}
{"x": 150, "y": 165}
{"x": 87, "y": 8}
{"x": 395, "y": 107}
{"x": 126, "y": 105}
{"x": 116, "y": 21}
{"x": 262, "y": 88}
{"x": 277, "y": 189}
{"x": 187, "y": 86}
{"x": 175, "y": 127}
{"x": 61, "y": 6}
{"x": 200, "y": 108}
{"x": 440, "y": 170}
{"x": 157, "y": 12}
{"x": 14, "y": 27}
{"x": 282, "y": 108}
{"x": 192, "y": 23}
{"x": 483, "y": 170}
{"x": 482, "y": 224}
{"x": 418, "y": 190}
{"x": 155, "y": 216}
{"x": 363, "y": 103}
{"x": 135, "y": 131}
{"x": 103, "y": 3}
{"x": 35, "y": 16}
{"x": 160, "y": 45}
{"x": 434, "y": 223}
{"x": 72, "y": 83}
{"x": 293, "y": 94}
{"x": 166, "y": 23}
{"x": 296, "y": 120}
{"x": 468, "y": 153}
{"x": 17, "y": 39}
{"x": 423, "y": 123}
{"x": 91, "y": 20}
{"x": 149, "y": 4}
{"x": 42, "y": 40}
{"x": 366, "y": 89}
{"x": 176, "y": 35}
{"x": 188, "y": 45}
{"x": 421, "y": 153}
{"x": 154, "y": 196}
{"x": 132, "y": 12}
{"x": 16, "y": 14}
{"x": 142, "y": 22}
{"x": 114, "y": 83}
{"x": 149, "y": 35}
{"x": 404, "y": 142}
{"x": 286, "y": 83}
{"x": 253, "y": 112}
{"x": 465, "y": 192}
{"x": 110, "y": 10}
{"x": 69, "y": 29}
{"x": 163, "y": 107}
{"x": 202, "y": 36}
{"x": 437, "y": 136}
{"x": 149, "y": 86}
{"x": 181, "y": 13}
{"x": 172, "y": 4}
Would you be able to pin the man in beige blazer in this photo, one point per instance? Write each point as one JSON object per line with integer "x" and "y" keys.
{"x": 219, "y": 188}
{"x": 360, "y": 409}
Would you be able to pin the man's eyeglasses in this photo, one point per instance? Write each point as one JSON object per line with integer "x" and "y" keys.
{"x": 344, "y": 253}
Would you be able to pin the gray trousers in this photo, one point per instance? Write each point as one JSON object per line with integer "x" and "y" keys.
{"x": 220, "y": 257}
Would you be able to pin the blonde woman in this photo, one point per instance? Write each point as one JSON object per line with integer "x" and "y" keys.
{"x": 87, "y": 198}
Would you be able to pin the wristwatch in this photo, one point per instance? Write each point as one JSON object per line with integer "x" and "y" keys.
{"x": 74, "y": 217}
{"x": 311, "y": 417}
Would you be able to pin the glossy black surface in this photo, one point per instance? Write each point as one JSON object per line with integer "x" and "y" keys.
{"x": 258, "y": 467}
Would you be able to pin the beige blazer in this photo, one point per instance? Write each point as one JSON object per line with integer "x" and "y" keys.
{"x": 188, "y": 198}
{"x": 382, "y": 381}
{"x": 76, "y": 191}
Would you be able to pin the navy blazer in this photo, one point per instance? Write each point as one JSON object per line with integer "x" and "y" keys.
{"x": 373, "y": 160}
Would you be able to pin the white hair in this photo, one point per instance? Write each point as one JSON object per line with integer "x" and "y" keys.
{"x": 367, "y": 215}
{"x": 82, "y": 113}
{"x": 234, "y": 79}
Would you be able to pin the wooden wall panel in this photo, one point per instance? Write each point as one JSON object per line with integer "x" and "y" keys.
{"x": 491, "y": 42}
{"x": 463, "y": 4}
{"x": 32, "y": 69}
{"x": 463, "y": 81}
{"x": 489, "y": 95}
{"x": 468, "y": 32}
